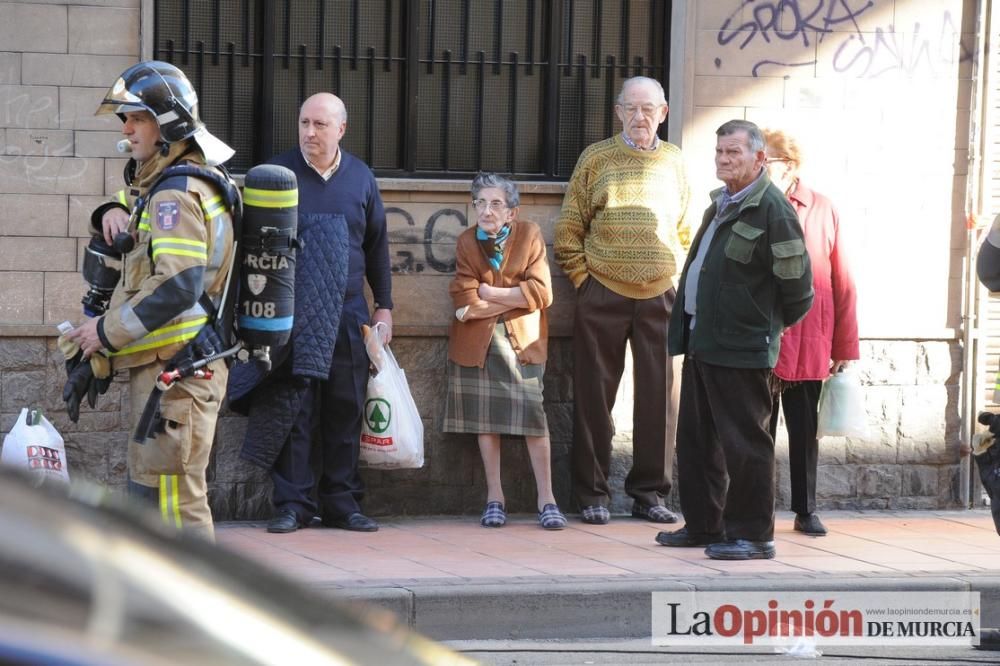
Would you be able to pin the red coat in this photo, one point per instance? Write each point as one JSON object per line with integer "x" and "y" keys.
{"x": 830, "y": 330}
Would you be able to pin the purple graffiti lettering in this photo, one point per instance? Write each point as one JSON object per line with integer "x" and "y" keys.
{"x": 864, "y": 56}
{"x": 884, "y": 54}
{"x": 764, "y": 63}
{"x": 800, "y": 20}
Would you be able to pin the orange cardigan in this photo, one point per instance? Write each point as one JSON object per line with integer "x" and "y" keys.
{"x": 524, "y": 265}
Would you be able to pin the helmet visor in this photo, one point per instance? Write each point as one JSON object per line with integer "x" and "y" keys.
{"x": 118, "y": 99}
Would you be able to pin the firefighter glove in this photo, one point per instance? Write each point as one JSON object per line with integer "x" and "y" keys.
{"x": 78, "y": 385}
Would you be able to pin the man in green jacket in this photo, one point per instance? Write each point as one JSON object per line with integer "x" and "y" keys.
{"x": 746, "y": 279}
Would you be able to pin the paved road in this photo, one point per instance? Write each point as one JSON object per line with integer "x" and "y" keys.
{"x": 577, "y": 653}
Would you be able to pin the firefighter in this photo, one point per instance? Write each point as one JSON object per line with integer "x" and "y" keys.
{"x": 170, "y": 287}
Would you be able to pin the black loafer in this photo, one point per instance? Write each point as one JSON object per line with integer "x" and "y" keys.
{"x": 284, "y": 522}
{"x": 355, "y": 522}
{"x": 741, "y": 549}
{"x": 683, "y": 539}
{"x": 809, "y": 523}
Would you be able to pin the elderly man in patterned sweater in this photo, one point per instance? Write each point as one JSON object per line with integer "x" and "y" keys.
{"x": 621, "y": 238}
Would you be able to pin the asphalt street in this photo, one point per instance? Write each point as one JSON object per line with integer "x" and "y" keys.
{"x": 640, "y": 651}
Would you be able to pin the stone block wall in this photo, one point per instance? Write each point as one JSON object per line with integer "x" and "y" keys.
{"x": 57, "y": 59}
{"x": 847, "y": 92}
{"x": 451, "y": 481}
{"x": 845, "y": 79}
{"x": 910, "y": 459}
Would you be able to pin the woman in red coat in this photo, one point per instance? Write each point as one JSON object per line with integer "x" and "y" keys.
{"x": 823, "y": 342}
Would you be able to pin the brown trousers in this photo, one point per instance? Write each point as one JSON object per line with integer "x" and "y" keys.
{"x": 605, "y": 322}
{"x": 170, "y": 467}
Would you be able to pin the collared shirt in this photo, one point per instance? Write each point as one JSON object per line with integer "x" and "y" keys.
{"x": 722, "y": 202}
{"x": 631, "y": 144}
{"x": 325, "y": 175}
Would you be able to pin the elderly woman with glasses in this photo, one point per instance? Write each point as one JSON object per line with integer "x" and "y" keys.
{"x": 498, "y": 342}
{"x": 823, "y": 342}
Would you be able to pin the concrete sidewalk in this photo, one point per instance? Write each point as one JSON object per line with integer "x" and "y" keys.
{"x": 451, "y": 579}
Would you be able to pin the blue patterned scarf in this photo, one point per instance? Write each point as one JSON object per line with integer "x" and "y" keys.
{"x": 493, "y": 245}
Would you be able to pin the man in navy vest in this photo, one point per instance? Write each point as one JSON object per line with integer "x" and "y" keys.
{"x": 319, "y": 382}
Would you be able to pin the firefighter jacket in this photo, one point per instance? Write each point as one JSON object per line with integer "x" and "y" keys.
{"x": 184, "y": 248}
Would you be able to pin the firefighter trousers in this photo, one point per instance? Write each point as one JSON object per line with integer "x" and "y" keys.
{"x": 169, "y": 467}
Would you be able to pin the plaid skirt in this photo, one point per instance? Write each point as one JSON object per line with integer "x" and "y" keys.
{"x": 502, "y": 397}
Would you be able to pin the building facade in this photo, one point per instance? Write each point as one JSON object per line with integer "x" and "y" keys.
{"x": 889, "y": 98}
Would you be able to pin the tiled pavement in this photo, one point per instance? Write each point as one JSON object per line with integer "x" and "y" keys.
{"x": 432, "y": 564}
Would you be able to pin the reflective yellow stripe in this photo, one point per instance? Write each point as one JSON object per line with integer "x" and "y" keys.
{"x": 144, "y": 221}
{"x": 180, "y": 241}
{"x": 154, "y": 340}
{"x": 181, "y": 253}
{"x": 132, "y": 349}
{"x": 164, "y": 246}
{"x": 121, "y": 197}
{"x": 170, "y": 504}
{"x": 212, "y": 206}
{"x": 270, "y": 198}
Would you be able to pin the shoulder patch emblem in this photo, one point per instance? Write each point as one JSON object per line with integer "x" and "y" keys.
{"x": 167, "y": 215}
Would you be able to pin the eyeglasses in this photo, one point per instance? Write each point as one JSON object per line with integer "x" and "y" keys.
{"x": 482, "y": 204}
{"x": 648, "y": 110}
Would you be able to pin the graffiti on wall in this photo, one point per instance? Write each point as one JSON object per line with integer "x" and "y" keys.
{"x": 41, "y": 150}
{"x": 926, "y": 49}
{"x": 24, "y": 110}
{"x": 428, "y": 245}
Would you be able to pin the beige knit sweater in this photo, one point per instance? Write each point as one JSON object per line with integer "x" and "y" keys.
{"x": 623, "y": 219}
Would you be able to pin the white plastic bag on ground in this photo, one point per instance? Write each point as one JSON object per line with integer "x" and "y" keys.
{"x": 392, "y": 435}
{"x": 33, "y": 444}
{"x": 842, "y": 407}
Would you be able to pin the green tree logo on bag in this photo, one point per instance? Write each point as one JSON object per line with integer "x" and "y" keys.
{"x": 378, "y": 414}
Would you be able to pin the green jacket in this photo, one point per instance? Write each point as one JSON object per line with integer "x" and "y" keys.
{"x": 756, "y": 281}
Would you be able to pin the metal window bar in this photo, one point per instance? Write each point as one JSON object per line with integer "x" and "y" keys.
{"x": 529, "y": 114}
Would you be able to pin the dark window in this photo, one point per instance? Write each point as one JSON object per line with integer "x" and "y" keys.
{"x": 433, "y": 88}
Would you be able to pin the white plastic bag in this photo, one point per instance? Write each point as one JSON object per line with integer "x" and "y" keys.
{"x": 392, "y": 435}
{"x": 842, "y": 407}
{"x": 33, "y": 444}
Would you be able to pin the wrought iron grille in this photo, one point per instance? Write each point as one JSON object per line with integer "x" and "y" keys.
{"x": 433, "y": 88}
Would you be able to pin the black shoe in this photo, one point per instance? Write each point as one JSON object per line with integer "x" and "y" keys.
{"x": 355, "y": 522}
{"x": 284, "y": 522}
{"x": 809, "y": 523}
{"x": 654, "y": 514}
{"x": 741, "y": 549}
{"x": 682, "y": 539}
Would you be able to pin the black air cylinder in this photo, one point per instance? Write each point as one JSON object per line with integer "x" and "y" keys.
{"x": 267, "y": 276}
